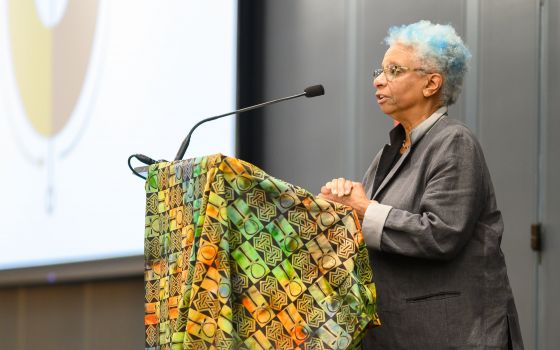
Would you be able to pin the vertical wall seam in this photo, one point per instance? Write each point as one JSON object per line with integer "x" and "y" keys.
{"x": 87, "y": 290}
{"x": 542, "y": 118}
{"x": 358, "y": 99}
{"x": 21, "y": 321}
{"x": 349, "y": 121}
{"x": 472, "y": 38}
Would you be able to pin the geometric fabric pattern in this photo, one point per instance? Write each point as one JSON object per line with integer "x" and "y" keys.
{"x": 236, "y": 259}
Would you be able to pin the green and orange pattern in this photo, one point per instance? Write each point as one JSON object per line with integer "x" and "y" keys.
{"x": 236, "y": 259}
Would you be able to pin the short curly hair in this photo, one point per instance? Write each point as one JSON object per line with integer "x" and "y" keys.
{"x": 439, "y": 48}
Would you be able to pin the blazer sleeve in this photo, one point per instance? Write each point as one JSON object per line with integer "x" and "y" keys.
{"x": 450, "y": 204}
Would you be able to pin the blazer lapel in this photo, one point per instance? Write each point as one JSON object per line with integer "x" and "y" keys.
{"x": 382, "y": 169}
{"x": 385, "y": 169}
{"x": 391, "y": 173}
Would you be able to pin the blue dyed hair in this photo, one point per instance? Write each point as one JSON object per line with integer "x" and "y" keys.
{"x": 439, "y": 48}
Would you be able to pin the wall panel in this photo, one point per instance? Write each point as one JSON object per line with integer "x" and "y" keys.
{"x": 89, "y": 315}
{"x": 53, "y": 317}
{"x": 8, "y": 320}
{"x": 549, "y": 275}
{"x": 508, "y": 131}
{"x": 116, "y": 315}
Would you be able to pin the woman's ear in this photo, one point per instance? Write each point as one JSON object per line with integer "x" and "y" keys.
{"x": 433, "y": 84}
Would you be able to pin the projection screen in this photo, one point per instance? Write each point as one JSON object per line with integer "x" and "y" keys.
{"x": 83, "y": 85}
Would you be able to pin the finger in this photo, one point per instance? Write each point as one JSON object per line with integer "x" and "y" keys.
{"x": 340, "y": 185}
{"x": 348, "y": 187}
{"x": 334, "y": 186}
{"x": 325, "y": 190}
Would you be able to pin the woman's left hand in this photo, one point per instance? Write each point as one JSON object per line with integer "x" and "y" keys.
{"x": 346, "y": 192}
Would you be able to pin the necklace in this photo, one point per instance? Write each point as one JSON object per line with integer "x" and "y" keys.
{"x": 404, "y": 146}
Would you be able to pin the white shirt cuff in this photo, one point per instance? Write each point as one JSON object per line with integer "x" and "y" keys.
{"x": 373, "y": 222}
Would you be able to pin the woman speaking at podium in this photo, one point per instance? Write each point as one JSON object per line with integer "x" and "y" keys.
{"x": 429, "y": 212}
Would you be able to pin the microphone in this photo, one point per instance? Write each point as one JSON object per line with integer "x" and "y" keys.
{"x": 315, "y": 90}
{"x": 311, "y": 91}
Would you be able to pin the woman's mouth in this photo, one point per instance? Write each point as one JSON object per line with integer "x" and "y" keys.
{"x": 381, "y": 98}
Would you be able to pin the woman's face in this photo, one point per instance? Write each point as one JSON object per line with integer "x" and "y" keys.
{"x": 400, "y": 93}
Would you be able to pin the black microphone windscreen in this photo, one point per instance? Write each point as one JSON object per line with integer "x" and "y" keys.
{"x": 315, "y": 90}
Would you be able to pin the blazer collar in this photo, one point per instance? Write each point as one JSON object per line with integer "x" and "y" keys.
{"x": 422, "y": 128}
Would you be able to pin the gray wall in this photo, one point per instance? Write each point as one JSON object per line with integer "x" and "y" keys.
{"x": 508, "y": 130}
{"x": 338, "y": 44}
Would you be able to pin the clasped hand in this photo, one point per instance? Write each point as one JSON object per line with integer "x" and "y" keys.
{"x": 346, "y": 192}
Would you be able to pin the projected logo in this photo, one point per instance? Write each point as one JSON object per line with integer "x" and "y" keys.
{"x": 51, "y": 43}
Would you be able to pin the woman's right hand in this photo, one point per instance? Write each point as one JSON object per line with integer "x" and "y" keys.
{"x": 339, "y": 187}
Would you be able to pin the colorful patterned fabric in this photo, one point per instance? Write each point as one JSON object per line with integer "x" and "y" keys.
{"x": 236, "y": 259}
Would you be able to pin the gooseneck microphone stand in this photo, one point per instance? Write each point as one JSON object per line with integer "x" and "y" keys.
{"x": 311, "y": 91}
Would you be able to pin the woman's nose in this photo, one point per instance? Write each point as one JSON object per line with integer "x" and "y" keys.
{"x": 380, "y": 80}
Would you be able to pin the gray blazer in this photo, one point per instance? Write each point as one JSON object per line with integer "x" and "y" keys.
{"x": 440, "y": 273}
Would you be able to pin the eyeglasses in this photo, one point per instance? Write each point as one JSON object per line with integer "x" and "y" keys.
{"x": 393, "y": 70}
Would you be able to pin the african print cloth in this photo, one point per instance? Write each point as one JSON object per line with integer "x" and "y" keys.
{"x": 236, "y": 259}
